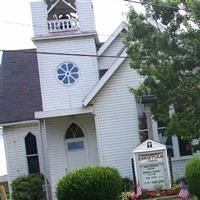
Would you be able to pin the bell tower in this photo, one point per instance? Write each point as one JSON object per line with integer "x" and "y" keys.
{"x": 64, "y": 32}
{"x": 62, "y": 16}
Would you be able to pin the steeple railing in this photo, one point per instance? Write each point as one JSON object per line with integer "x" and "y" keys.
{"x": 61, "y": 25}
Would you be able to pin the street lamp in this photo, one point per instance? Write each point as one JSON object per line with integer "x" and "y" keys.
{"x": 147, "y": 100}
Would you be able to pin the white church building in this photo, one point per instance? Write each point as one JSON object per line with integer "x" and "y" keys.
{"x": 66, "y": 104}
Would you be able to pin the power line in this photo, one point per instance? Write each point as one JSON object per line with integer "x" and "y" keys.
{"x": 160, "y": 5}
{"x": 112, "y": 35}
{"x": 27, "y": 51}
{"x": 154, "y": 4}
{"x": 39, "y": 26}
{"x": 65, "y": 54}
{"x": 32, "y": 25}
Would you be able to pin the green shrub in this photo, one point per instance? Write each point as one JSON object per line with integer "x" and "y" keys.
{"x": 193, "y": 175}
{"x": 28, "y": 187}
{"x": 127, "y": 185}
{"x": 94, "y": 183}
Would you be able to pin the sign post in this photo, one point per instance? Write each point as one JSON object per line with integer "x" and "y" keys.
{"x": 151, "y": 165}
{"x": 3, "y": 193}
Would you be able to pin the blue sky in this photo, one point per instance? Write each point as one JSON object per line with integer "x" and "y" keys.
{"x": 16, "y": 29}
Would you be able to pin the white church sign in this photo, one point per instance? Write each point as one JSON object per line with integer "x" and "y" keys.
{"x": 151, "y": 165}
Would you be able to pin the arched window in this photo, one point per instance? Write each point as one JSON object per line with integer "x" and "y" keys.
{"x": 32, "y": 154}
{"x": 74, "y": 136}
{"x": 74, "y": 131}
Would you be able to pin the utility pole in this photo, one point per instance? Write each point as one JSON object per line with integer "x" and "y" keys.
{"x": 149, "y": 121}
{"x": 147, "y": 101}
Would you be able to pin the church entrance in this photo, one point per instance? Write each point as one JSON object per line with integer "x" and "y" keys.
{"x": 76, "y": 148}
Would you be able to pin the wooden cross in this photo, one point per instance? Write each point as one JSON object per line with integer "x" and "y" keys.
{"x": 3, "y": 193}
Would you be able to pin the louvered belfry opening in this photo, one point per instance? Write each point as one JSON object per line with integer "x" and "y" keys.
{"x": 62, "y": 15}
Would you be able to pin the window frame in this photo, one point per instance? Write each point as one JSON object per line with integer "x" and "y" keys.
{"x": 155, "y": 127}
{"x": 163, "y": 128}
{"x": 35, "y": 155}
{"x": 66, "y": 71}
{"x": 70, "y": 130}
{"x": 176, "y": 149}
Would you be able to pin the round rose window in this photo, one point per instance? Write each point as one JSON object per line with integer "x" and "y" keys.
{"x": 67, "y": 73}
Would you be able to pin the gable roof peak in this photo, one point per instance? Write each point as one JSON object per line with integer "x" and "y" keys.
{"x": 143, "y": 147}
{"x": 111, "y": 38}
{"x": 104, "y": 79}
{"x": 52, "y": 4}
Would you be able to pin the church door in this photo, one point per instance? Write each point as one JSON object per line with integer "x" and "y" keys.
{"x": 76, "y": 148}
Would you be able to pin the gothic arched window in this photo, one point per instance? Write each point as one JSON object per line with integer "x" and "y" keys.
{"x": 74, "y": 131}
{"x": 75, "y": 138}
{"x": 32, "y": 154}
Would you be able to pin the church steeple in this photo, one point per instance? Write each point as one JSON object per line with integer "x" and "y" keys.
{"x": 65, "y": 30}
{"x": 55, "y": 17}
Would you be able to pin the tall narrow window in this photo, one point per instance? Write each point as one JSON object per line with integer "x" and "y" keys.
{"x": 184, "y": 147}
{"x": 32, "y": 154}
{"x": 166, "y": 140}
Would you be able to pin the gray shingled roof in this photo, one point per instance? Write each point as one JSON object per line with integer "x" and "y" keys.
{"x": 20, "y": 94}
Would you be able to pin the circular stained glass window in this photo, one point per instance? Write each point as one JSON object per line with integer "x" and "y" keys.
{"x": 67, "y": 73}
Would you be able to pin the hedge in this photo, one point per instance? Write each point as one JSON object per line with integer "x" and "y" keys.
{"x": 98, "y": 183}
{"x": 30, "y": 187}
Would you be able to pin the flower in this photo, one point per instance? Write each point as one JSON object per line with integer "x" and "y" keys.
{"x": 133, "y": 196}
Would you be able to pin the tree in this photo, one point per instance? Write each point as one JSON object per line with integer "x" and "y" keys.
{"x": 164, "y": 47}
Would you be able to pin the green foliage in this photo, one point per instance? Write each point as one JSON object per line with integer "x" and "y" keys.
{"x": 193, "y": 175}
{"x": 28, "y": 187}
{"x": 167, "y": 55}
{"x": 176, "y": 185}
{"x": 127, "y": 185}
{"x": 126, "y": 195}
{"x": 95, "y": 183}
{"x": 145, "y": 194}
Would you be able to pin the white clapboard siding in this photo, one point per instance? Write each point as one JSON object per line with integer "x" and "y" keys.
{"x": 178, "y": 168}
{"x": 15, "y": 148}
{"x": 56, "y": 96}
{"x": 85, "y": 15}
{"x": 113, "y": 50}
{"x": 39, "y": 18}
{"x": 116, "y": 118}
{"x": 56, "y": 129}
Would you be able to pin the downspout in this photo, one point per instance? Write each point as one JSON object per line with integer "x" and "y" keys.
{"x": 7, "y": 165}
{"x": 98, "y": 136}
{"x": 43, "y": 158}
